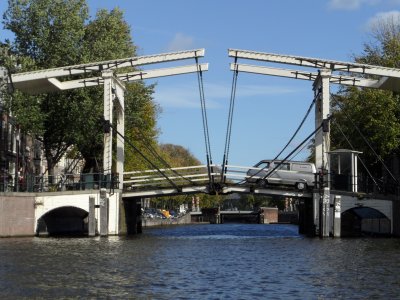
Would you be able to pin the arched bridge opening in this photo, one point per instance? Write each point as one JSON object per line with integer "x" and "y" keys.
{"x": 63, "y": 221}
{"x": 364, "y": 221}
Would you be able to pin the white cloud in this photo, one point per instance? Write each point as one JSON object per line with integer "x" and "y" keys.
{"x": 216, "y": 95}
{"x": 178, "y": 96}
{"x": 185, "y": 96}
{"x": 390, "y": 17}
{"x": 263, "y": 90}
{"x": 181, "y": 42}
{"x": 350, "y": 4}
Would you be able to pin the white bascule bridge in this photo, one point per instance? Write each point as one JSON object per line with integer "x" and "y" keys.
{"x": 323, "y": 206}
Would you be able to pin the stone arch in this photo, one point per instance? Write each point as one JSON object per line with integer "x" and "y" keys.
{"x": 65, "y": 220}
{"x": 360, "y": 221}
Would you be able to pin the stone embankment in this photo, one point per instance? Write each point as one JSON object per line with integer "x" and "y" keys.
{"x": 147, "y": 222}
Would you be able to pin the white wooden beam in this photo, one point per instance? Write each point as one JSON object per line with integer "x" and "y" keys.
{"x": 54, "y": 85}
{"x": 317, "y": 63}
{"x": 392, "y": 84}
{"x": 38, "y": 80}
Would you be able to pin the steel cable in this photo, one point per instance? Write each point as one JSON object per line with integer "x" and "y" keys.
{"x": 154, "y": 152}
{"x": 293, "y": 136}
{"x": 108, "y": 124}
{"x": 205, "y": 121}
{"x": 359, "y": 158}
{"x": 229, "y": 126}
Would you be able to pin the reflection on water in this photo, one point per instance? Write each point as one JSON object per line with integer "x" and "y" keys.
{"x": 227, "y": 261}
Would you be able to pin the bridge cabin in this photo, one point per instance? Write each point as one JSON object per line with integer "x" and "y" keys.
{"x": 356, "y": 207}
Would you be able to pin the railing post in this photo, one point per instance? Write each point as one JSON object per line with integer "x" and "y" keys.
{"x": 92, "y": 217}
{"x": 337, "y": 220}
{"x": 103, "y": 212}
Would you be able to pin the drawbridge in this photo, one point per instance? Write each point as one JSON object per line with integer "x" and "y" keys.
{"x": 212, "y": 178}
{"x": 195, "y": 179}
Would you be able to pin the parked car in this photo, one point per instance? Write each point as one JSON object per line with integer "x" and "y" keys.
{"x": 153, "y": 213}
{"x": 289, "y": 173}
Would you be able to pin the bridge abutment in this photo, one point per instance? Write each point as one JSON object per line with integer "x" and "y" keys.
{"x": 100, "y": 214}
{"x": 396, "y": 218}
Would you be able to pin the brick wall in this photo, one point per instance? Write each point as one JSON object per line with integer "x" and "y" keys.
{"x": 270, "y": 214}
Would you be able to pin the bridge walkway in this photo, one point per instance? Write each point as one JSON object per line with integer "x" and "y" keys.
{"x": 196, "y": 179}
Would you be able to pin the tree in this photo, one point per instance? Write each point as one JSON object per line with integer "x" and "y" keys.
{"x": 54, "y": 33}
{"x": 50, "y": 33}
{"x": 375, "y": 112}
{"x": 175, "y": 156}
{"x": 178, "y": 156}
{"x": 108, "y": 37}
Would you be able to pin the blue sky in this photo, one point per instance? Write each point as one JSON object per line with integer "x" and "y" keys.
{"x": 268, "y": 109}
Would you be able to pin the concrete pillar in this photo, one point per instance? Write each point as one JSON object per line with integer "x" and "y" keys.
{"x": 316, "y": 207}
{"x": 337, "y": 224}
{"x": 354, "y": 172}
{"x": 108, "y": 116}
{"x": 92, "y": 217}
{"x": 322, "y": 111}
{"x": 120, "y": 90}
{"x": 138, "y": 216}
{"x": 322, "y": 146}
{"x": 103, "y": 213}
{"x": 133, "y": 216}
{"x": 326, "y": 218}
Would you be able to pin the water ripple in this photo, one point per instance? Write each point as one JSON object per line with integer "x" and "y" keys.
{"x": 228, "y": 261}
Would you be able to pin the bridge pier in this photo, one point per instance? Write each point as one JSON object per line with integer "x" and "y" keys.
{"x": 92, "y": 217}
{"x": 133, "y": 215}
{"x": 324, "y": 213}
{"x": 337, "y": 221}
{"x": 104, "y": 204}
{"x": 306, "y": 215}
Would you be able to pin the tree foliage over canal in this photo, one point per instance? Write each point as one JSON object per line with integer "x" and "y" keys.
{"x": 55, "y": 33}
{"x": 374, "y": 114}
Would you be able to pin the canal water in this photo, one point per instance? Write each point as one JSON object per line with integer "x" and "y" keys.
{"x": 227, "y": 261}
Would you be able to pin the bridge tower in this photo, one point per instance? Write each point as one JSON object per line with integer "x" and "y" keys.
{"x": 321, "y": 199}
{"x": 44, "y": 81}
{"x": 329, "y": 71}
{"x": 54, "y": 80}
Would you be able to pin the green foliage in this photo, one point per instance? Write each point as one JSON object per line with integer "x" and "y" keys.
{"x": 209, "y": 201}
{"x": 54, "y": 33}
{"x": 49, "y": 31}
{"x": 375, "y": 112}
{"x": 178, "y": 156}
{"x": 108, "y": 36}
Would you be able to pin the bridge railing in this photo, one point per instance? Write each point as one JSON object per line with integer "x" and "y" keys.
{"x": 63, "y": 182}
{"x": 184, "y": 176}
{"x": 365, "y": 184}
{"x": 198, "y": 175}
{"x": 181, "y": 176}
{"x": 238, "y": 174}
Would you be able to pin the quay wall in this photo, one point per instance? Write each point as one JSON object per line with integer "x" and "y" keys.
{"x": 146, "y": 222}
{"x": 17, "y": 215}
{"x": 20, "y": 212}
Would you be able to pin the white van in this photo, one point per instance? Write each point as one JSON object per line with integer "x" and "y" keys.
{"x": 299, "y": 174}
